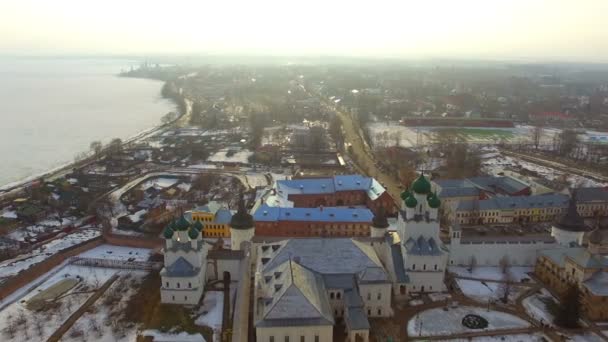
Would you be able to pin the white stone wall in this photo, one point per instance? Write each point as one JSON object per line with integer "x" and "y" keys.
{"x": 376, "y": 297}
{"x": 184, "y": 296}
{"x": 239, "y": 235}
{"x": 490, "y": 254}
{"x": 324, "y": 332}
{"x": 427, "y": 281}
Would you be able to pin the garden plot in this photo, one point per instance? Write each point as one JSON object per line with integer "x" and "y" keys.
{"x": 538, "y": 306}
{"x": 436, "y": 322}
{"x": 492, "y": 273}
{"x": 483, "y": 291}
{"x": 103, "y": 321}
{"x": 11, "y": 267}
{"x": 18, "y": 323}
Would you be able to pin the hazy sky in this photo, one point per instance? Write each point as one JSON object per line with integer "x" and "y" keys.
{"x": 572, "y": 30}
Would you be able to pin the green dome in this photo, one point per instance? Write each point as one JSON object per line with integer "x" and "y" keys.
{"x": 193, "y": 233}
{"x": 411, "y": 202}
{"x": 168, "y": 233}
{"x": 182, "y": 223}
{"x": 405, "y": 194}
{"x": 198, "y": 225}
{"x": 434, "y": 201}
{"x": 421, "y": 185}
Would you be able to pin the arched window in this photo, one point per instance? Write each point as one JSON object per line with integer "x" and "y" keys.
{"x": 413, "y": 266}
{"x": 435, "y": 267}
{"x": 189, "y": 285}
{"x": 338, "y": 295}
{"x": 178, "y": 285}
{"x": 424, "y": 266}
{"x": 402, "y": 289}
{"x": 331, "y": 295}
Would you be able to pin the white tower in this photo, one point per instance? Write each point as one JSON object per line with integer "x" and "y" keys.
{"x": 242, "y": 227}
{"x": 570, "y": 228}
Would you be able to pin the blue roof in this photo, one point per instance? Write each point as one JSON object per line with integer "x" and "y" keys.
{"x": 181, "y": 268}
{"x": 327, "y": 214}
{"x": 305, "y": 186}
{"x": 223, "y": 216}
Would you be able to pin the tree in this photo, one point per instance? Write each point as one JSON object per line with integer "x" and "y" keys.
{"x": 39, "y": 327}
{"x": 115, "y": 146}
{"x": 567, "y": 141}
{"x": 504, "y": 264}
{"x": 11, "y": 329}
{"x": 168, "y": 118}
{"x": 506, "y": 287}
{"x": 96, "y": 147}
{"x": 569, "y": 310}
{"x": 472, "y": 263}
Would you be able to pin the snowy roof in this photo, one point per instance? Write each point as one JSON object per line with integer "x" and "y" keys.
{"x": 578, "y": 255}
{"x": 491, "y": 184}
{"x": 331, "y": 185}
{"x": 515, "y": 202}
{"x": 422, "y": 246}
{"x": 181, "y": 268}
{"x": 298, "y": 297}
{"x": 327, "y": 256}
{"x": 598, "y": 283}
{"x": 211, "y": 207}
{"x": 328, "y": 214}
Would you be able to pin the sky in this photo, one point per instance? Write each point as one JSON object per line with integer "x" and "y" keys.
{"x": 556, "y": 30}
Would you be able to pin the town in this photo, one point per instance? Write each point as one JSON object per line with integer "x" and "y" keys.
{"x": 347, "y": 202}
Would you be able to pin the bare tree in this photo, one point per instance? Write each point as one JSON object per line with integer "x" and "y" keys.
{"x": 472, "y": 263}
{"x": 96, "y": 147}
{"x": 504, "y": 264}
{"x": 537, "y": 134}
{"x": 39, "y": 327}
{"x": 11, "y": 329}
{"x": 506, "y": 287}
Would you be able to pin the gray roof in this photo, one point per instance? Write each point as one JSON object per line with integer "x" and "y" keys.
{"x": 471, "y": 186}
{"x": 578, "y": 255}
{"x": 422, "y": 246}
{"x": 458, "y": 192}
{"x": 326, "y": 256}
{"x": 515, "y": 202}
{"x": 352, "y": 298}
{"x": 185, "y": 246}
{"x": 339, "y": 281}
{"x": 598, "y": 283}
{"x": 584, "y": 195}
{"x": 299, "y": 298}
{"x": 181, "y": 268}
{"x": 372, "y": 275}
{"x": 356, "y": 319}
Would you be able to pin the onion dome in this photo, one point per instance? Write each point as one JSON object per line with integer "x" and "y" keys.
{"x": 572, "y": 221}
{"x": 193, "y": 233}
{"x": 405, "y": 194}
{"x": 198, "y": 226}
{"x": 241, "y": 219}
{"x": 434, "y": 201}
{"x": 380, "y": 220}
{"x": 421, "y": 185}
{"x": 595, "y": 237}
{"x": 182, "y": 224}
{"x": 411, "y": 202}
{"x": 168, "y": 232}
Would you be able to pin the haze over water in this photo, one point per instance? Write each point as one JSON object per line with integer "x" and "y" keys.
{"x": 51, "y": 109}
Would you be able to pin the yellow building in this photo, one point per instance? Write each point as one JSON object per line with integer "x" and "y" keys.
{"x": 214, "y": 218}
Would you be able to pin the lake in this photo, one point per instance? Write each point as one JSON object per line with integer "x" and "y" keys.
{"x": 52, "y": 108}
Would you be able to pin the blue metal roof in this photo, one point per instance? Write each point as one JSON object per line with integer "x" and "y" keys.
{"x": 328, "y": 214}
{"x": 330, "y": 185}
{"x": 223, "y": 216}
{"x": 181, "y": 268}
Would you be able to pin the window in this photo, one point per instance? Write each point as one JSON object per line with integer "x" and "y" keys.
{"x": 331, "y": 295}
{"x": 286, "y": 338}
{"x": 379, "y": 295}
{"x": 338, "y": 295}
{"x": 379, "y": 312}
{"x": 271, "y": 339}
{"x": 413, "y": 266}
{"x": 435, "y": 267}
{"x": 423, "y": 266}
{"x": 167, "y": 284}
{"x": 189, "y": 285}
{"x": 173, "y": 297}
{"x": 302, "y": 338}
{"x": 369, "y": 312}
{"x": 369, "y": 296}
{"x": 178, "y": 285}
{"x": 185, "y": 298}
{"x": 316, "y": 338}
{"x": 402, "y": 289}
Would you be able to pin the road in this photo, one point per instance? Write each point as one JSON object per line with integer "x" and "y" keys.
{"x": 362, "y": 155}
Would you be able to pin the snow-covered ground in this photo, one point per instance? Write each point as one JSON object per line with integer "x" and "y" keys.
{"x": 256, "y": 179}
{"x": 537, "y": 308}
{"x": 99, "y": 323}
{"x": 588, "y": 337}
{"x": 11, "y": 267}
{"x": 40, "y": 325}
{"x": 484, "y": 291}
{"x": 491, "y": 273}
{"x": 504, "y": 338}
{"x": 160, "y": 183}
{"x": 211, "y": 312}
{"x": 439, "y": 322}
{"x": 111, "y": 252}
{"x": 238, "y": 157}
{"x": 46, "y": 225}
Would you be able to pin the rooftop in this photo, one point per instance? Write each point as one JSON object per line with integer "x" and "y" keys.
{"x": 307, "y": 186}
{"x": 515, "y": 202}
{"x": 328, "y": 214}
